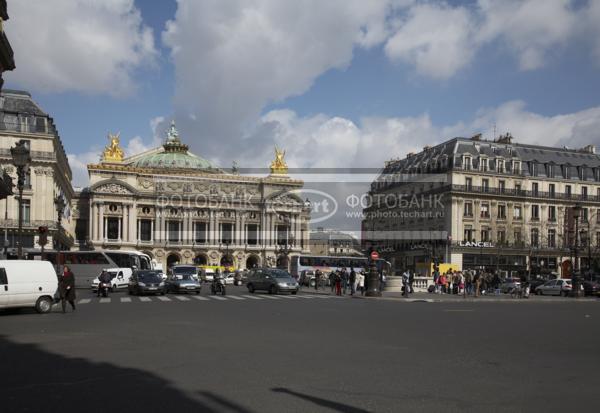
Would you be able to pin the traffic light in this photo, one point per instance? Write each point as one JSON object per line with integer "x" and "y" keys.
{"x": 43, "y": 239}
{"x": 6, "y": 186}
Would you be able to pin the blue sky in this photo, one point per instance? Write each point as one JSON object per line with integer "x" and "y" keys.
{"x": 336, "y": 78}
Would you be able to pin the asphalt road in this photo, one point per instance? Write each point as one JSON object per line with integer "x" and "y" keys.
{"x": 319, "y": 354}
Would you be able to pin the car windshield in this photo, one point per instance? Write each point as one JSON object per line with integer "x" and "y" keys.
{"x": 183, "y": 277}
{"x": 149, "y": 276}
{"x": 185, "y": 270}
{"x": 279, "y": 274}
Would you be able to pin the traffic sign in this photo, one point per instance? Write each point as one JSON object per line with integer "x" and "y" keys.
{"x": 374, "y": 255}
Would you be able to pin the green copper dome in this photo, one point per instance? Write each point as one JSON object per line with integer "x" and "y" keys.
{"x": 175, "y": 155}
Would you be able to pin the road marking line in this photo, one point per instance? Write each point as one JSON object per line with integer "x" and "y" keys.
{"x": 235, "y": 297}
{"x": 181, "y": 298}
{"x": 218, "y": 297}
{"x": 125, "y": 299}
{"x": 104, "y": 300}
{"x": 287, "y": 296}
{"x": 457, "y": 311}
{"x": 161, "y": 298}
{"x": 271, "y": 297}
{"x": 305, "y": 296}
{"x": 199, "y": 297}
{"x": 145, "y": 299}
{"x": 253, "y": 297}
{"x": 85, "y": 301}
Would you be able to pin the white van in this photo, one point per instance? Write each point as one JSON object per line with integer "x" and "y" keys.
{"x": 119, "y": 278}
{"x": 26, "y": 283}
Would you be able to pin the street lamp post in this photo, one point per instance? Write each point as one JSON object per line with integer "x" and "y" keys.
{"x": 575, "y": 277}
{"x": 285, "y": 249}
{"x": 21, "y": 158}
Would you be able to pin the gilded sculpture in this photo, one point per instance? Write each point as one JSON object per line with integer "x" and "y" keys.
{"x": 113, "y": 152}
{"x": 278, "y": 166}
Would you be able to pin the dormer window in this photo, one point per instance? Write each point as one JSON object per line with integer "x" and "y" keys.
{"x": 550, "y": 171}
{"x": 484, "y": 164}
{"x": 467, "y": 163}
{"x": 500, "y": 163}
{"x": 517, "y": 168}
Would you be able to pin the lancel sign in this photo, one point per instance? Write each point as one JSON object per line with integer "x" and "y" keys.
{"x": 475, "y": 244}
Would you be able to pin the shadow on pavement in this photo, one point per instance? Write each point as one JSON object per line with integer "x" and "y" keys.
{"x": 34, "y": 380}
{"x": 340, "y": 407}
{"x": 224, "y": 403}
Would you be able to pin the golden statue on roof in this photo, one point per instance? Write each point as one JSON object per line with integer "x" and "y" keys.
{"x": 278, "y": 165}
{"x": 113, "y": 152}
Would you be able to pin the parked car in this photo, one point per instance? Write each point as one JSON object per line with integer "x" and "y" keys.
{"x": 25, "y": 283}
{"x": 591, "y": 287}
{"x": 119, "y": 278}
{"x": 555, "y": 287}
{"x": 533, "y": 284}
{"x": 183, "y": 283}
{"x": 146, "y": 282}
{"x": 272, "y": 280}
{"x": 509, "y": 284}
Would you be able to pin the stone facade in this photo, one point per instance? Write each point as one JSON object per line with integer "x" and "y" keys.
{"x": 178, "y": 208}
{"x": 494, "y": 206}
{"x": 49, "y": 174}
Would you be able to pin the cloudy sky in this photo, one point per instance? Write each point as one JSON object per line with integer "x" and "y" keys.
{"x": 336, "y": 83}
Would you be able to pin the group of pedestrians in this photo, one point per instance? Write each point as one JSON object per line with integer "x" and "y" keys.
{"x": 341, "y": 281}
{"x": 465, "y": 283}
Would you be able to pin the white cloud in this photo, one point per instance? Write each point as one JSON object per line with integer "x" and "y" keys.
{"x": 234, "y": 57}
{"x": 439, "y": 39}
{"x": 79, "y": 162}
{"x": 531, "y": 28}
{"x": 78, "y": 45}
{"x": 436, "y": 39}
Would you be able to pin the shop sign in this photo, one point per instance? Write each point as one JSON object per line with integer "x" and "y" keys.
{"x": 475, "y": 244}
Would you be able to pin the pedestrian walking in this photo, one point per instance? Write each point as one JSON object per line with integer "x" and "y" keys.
{"x": 344, "y": 276}
{"x": 352, "y": 282}
{"x": 318, "y": 274}
{"x": 411, "y": 280}
{"x": 66, "y": 286}
{"x": 361, "y": 282}
{"x": 332, "y": 280}
{"x": 405, "y": 284}
{"x": 338, "y": 283}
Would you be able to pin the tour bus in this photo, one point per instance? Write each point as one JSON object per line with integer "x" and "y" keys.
{"x": 327, "y": 264}
{"x": 87, "y": 265}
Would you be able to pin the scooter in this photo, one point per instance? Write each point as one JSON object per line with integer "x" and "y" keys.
{"x": 217, "y": 286}
{"x": 104, "y": 288}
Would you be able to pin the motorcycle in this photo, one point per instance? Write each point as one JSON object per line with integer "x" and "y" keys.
{"x": 217, "y": 286}
{"x": 104, "y": 288}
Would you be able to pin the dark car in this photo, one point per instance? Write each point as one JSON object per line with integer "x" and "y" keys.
{"x": 183, "y": 283}
{"x": 272, "y": 280}
{"x": 591, "y": 287}
{"x": 533, "y": 284}
{"x": 146, "y": 282}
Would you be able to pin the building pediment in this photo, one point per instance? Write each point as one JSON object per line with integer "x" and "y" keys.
{"x": 113, "y": 187}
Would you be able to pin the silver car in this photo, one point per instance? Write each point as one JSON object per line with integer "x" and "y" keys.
{"x": 272, "y": 280}
{"x": 555, "y": 287}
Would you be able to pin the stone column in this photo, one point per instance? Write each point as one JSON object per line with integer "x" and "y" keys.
{"x": 125, "y": 223}
{"x": 133, "y": 223}
{"x": 119, "y": 234}
{"x": 156, "y": 226}
{"x": 101, "y": 221}
{"x": 184, "y": 228}
{"x": 237, "y": 240}
{"x": 211, "y": 227}
{"x": 243, "y": 237}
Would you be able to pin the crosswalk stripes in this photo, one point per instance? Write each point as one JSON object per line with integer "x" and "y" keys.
{"x": 253, "y": 297}
{"x": 179, "y": 298}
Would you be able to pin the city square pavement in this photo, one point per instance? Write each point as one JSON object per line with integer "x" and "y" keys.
{"x": 310, "y": 353}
